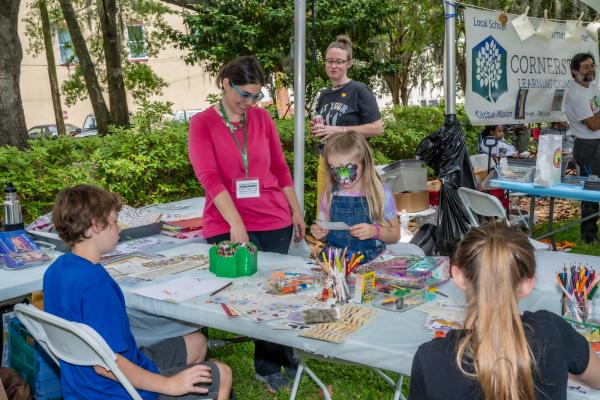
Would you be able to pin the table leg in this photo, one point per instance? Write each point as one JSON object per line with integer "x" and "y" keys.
{"x": 396, "y": 385}
{"x": 531, "y": 214}
{"x": 301, "y": 368}
{"x": 550, "y": 222}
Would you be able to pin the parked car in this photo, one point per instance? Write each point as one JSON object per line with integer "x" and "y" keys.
{"x": 51, "y": 131}
{"x": 89, "y": 127}
{"x": 185, "y": 115}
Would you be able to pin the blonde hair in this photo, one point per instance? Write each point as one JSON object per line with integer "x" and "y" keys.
{"x": 494, "y": 260}
{"x": 342, "y": 42}
{"x": 353, "y": 144}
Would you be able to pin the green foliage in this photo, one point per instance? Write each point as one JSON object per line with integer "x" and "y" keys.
{"x": 149, "y": 163}
{"x": 150, "y": 115}
{"x": 141, "y": 81}
{"x": 144, "y": 168}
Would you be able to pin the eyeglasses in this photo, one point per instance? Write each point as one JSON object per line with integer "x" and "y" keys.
{"x": 590, "y": 67}
{"x": 253, "y": 98}
{"x": 337, "y": 63}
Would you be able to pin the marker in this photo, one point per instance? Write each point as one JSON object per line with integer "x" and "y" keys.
{"x": 224, "y": 287}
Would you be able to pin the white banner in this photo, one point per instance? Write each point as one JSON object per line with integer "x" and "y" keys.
{"x": 510, "y": 81}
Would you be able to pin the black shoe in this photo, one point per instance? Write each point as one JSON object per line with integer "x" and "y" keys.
{"x": 274, "y": 382}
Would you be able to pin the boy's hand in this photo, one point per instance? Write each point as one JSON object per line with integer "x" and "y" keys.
{"x": 363, "y": 231}
{"x": 318, "y": 232}
{"x": 185, "y": 381}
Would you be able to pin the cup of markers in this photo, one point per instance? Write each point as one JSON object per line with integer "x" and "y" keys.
{"x": 579, "y": 286}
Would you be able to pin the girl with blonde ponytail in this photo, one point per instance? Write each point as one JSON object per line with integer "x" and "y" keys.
{"x": 501, "y": 354}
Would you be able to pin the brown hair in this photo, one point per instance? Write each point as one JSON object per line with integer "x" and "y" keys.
{"x": 342, "y": 42}
{"x": 77, "y": 207}
{"x": 494, "y": 260}
{"x": 353, "y": 144}
{"x": 243, "y": 70}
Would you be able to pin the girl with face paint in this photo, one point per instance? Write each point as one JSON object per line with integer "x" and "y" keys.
{"x": 355, "y": 195}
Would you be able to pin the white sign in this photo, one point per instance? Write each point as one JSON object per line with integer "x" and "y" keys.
{"x": 510, "y": 81}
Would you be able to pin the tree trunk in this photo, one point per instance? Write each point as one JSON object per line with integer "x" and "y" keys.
{"x": 87, "y": 67}
{"x": 393, "y": 83}
{"x": 54, "y": 90}
{"x": 117, "y": 96}
{"x": 13, "y": 130}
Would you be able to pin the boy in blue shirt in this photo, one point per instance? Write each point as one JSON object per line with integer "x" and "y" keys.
{"x": 78, "y": 288}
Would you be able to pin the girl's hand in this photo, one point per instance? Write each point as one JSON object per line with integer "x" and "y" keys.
{"x": 238, "y": 234}
{"x": 299, "y": 226}
{"x": 185, "y": 381}
{"x": 363, "y": 231}
{"x": 324, "y": 131}
{"x": 318, "y": 232}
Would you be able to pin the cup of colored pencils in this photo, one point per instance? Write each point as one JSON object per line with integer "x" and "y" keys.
{"x": 337, "y": 264}
{"x": 578, "y": 285}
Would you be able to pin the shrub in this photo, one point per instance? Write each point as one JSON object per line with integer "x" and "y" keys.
{"x": 148, "y": 168}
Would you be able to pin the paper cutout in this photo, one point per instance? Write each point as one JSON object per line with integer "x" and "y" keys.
{"x": 546, "y": 27}
{"x": 592, "y": 30}
{"x": 333, "y": 226}
{"x": 523, "y": 26}
{"x": 573, "y": 30}
{"x": 352, "y": 318}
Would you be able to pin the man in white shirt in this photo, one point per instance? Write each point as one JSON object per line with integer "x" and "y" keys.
{"x": 582, "y": 106}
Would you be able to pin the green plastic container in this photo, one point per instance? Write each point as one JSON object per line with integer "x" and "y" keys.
{"x": 242, "y": 263}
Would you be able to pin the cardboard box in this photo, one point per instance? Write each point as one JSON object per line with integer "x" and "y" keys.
{"x": 412, "y": 201}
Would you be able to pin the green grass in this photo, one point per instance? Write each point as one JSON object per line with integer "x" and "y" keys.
{"x": 570, "y": 235}
{"x": 347, "y": 382}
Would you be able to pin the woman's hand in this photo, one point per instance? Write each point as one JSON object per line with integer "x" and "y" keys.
{"x": 185, "y": 381}
{"x": 318, "y": 232}
{"x": 299, "y": 226}
{"x": 238, "y": 234}
{"x": 363, "y": 231}
{"x": 323, "y": 132}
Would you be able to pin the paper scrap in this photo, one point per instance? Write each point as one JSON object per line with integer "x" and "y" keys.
{"x": 181, "y": 289}
{"x": 333, "y": 226}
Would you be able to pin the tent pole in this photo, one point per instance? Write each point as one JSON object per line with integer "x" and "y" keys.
{"x": 299, "y": 96}
{"x": 450, "y": 56}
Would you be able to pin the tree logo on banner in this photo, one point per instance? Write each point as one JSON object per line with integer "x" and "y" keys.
{"x": 489, "y": 69}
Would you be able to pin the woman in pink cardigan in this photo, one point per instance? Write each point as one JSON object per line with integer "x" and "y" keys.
{"x": 237, "y": 156}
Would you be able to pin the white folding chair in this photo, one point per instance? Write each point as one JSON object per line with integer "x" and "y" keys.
{"x": 71, "y": 342}
{"x": 488, "y": 206}
{"x": 405, "y": 249}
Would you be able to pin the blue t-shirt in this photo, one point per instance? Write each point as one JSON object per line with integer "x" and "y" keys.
{"x": 77, "y": 290}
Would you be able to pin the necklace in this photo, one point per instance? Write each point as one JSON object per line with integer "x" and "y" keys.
{"x": 334, "y": 87}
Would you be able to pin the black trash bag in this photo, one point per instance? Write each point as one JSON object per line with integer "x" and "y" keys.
{"x": 445, "y": 151}
{"x": 425, "y": 239}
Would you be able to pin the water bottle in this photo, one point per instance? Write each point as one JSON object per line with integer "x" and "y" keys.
{"x": 13, "y": 218}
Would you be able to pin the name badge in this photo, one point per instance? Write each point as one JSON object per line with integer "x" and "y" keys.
{"x": 247, "y": 188}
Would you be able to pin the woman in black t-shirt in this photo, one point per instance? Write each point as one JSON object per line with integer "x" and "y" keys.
{"x": 347, "y": 105}
{"x": 501, "y": 354}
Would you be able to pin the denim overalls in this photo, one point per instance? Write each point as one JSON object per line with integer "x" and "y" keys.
{"x": 352, "y": 210}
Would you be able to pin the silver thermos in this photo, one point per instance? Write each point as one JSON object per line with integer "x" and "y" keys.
{"x": 13, "y": 218}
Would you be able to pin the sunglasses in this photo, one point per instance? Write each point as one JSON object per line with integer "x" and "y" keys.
{"x": 253, "y": 98}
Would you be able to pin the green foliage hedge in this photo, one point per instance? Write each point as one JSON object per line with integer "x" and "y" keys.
{"x": 147, "y": 168}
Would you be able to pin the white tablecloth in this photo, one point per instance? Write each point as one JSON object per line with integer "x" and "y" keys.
{"x": 388, "y": 341}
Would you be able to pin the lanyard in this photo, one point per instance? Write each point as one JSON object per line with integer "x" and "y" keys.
{"x": 243, "y": 150}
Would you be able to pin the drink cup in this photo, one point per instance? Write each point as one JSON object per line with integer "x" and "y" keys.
{"x": 317, "y": 120}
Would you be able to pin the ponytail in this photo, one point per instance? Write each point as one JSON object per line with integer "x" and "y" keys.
{"x": 494, "y": 261}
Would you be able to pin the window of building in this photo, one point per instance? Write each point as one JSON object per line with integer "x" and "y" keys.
{"x": 136, "y": 42}
{"x": 65, "y": 46}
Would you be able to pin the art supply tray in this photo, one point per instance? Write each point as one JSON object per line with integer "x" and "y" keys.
{"x": 400, "y": 299}
{"x": 232, "y": 260}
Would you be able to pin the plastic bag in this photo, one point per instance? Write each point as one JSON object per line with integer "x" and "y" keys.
{"x": 548, "y": 163}
{"x": 446, "y": 152}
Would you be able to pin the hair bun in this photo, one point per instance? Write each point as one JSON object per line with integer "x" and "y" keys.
{"x": 344, "y": 39}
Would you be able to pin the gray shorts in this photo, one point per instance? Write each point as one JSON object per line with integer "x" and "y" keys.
{"x": 170, "y": 357}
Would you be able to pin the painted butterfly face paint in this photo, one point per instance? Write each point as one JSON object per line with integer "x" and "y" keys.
{"x": 344, "y": 174}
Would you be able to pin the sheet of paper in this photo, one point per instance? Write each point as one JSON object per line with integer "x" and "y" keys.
{"x": 450, "y": 311}
{"x": 333, "y": 226}
{"x": 181, "y": 289}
